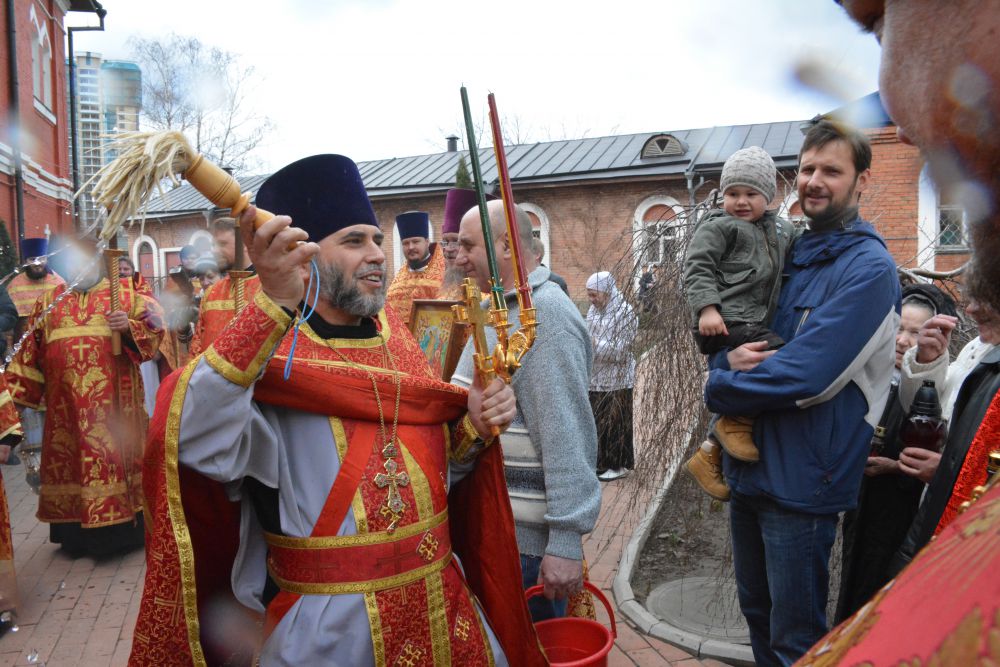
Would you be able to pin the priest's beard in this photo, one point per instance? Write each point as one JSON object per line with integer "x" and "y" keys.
{"x": 345, "y": 294}
{"x": 35, "y": 271}
{"x": 453, "y": 276}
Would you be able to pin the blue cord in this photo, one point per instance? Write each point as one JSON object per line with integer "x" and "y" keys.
{"x": 307, "y": 312}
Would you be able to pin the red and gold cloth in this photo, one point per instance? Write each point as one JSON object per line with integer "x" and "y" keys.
{"x": 218, "y": 307}
{"x": 195, "y": 531}
{"x": 96, "y": 420}
{"x": 974, "y": 469}
{"x": 10, "y": 434}
{"x": 944, "y": 608}
{"x": 422, "y": 284}
{"x": 24, "y": 291}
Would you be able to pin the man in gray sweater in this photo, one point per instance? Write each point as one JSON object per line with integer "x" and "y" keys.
{"x": 550, "y": 450}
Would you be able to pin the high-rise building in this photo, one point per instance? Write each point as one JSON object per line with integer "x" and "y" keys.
{"x": 109, "y": 99}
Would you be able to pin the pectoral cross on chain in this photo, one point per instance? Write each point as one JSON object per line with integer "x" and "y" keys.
{"x": 394, "y": 503}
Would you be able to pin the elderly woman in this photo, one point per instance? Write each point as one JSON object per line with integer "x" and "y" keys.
{"x": 612, "y": 324}
{"x": 889, "y": 498}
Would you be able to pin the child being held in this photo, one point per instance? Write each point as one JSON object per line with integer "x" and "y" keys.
{"x": 732, "y": 278}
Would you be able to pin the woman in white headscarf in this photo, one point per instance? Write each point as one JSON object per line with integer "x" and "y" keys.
{"x": 613, "y": 325}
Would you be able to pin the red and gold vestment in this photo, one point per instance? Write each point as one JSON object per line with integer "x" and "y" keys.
{"x": 418, "y": 606}
{"x": 24, "y": 291}
{"x": 218, "y": 307}
{"x": 423, "y": 283}
{"x": 96, "y": 420}
{"x": 10, "y": 434}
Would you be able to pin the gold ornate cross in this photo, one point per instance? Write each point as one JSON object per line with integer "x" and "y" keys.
{"x": 394, "y": 503}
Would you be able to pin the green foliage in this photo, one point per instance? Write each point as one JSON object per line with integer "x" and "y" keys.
{"x": 8, "y": 254}
{"x": 462, "y": 177}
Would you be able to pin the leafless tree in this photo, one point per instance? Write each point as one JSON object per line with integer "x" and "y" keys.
{"x": 204, "y": 92}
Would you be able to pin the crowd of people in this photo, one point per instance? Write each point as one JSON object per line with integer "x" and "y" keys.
{"x": 307, "y": 484}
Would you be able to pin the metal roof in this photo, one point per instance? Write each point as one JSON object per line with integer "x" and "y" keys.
{"x": 600, "y": 158}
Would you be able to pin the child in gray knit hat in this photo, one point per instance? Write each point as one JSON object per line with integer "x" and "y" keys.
{"x": 732, "y": 277}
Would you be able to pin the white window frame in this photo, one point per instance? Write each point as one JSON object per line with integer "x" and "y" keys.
{"x": 543, "y": 232}
{"x": 639, "y": 229}
{"x": 41, "y": 61}
{"x": 151, "y": 242}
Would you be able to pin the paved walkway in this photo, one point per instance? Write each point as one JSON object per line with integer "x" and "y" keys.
{"x": 81, "y": 612}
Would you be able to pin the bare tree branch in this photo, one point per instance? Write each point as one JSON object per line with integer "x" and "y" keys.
{"x": 204, "y": 92}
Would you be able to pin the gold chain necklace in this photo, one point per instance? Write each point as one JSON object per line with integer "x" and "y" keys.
{"x": 391, "y": 480}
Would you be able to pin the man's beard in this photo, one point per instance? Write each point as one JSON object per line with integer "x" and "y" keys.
{"x": 35, "y": 272}
{"x": 453, "y": 276}
{"x": 833, "y": 216}
{"x": 345, "y": 294}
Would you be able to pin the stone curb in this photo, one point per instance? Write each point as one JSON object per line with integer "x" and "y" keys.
{"x": 697, "y": 645}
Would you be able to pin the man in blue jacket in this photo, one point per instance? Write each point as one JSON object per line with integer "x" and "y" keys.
{"x": 816, "y": 400}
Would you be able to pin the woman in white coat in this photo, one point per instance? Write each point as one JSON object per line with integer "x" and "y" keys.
{"x": 613, "y": 325}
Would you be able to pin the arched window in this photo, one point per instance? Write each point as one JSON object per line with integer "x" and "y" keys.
{"x": 540, "y": 229}
{"x": 663, "y": 145}
{"x": 657, "y": 230}
{"x": 146, "y": 257}
{"x": 41, "y": 59}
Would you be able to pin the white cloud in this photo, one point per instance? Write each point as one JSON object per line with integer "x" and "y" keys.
{"x": 381, "y": 79}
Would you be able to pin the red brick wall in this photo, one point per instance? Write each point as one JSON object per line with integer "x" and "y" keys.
{"x": 45, "y": 144}
{"x": 890, "y": 202}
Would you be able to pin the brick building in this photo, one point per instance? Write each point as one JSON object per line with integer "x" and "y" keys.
{"x": 603, "y": 202}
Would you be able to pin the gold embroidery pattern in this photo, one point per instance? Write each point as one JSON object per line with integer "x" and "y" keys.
{"x": 375, "y": 623}
{"x": 366, "y": 539}
{"x": 182, "y": 537}
{"x": 437, "y": 613}
{"x": 373, "y": 586}
{"x": 357, "y": 502}
{"x": 411, "y": 656}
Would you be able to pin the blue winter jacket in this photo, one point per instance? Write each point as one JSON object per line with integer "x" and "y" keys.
{"x": 817, "y": 399}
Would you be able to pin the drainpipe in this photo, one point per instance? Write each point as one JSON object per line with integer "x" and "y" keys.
{"x": 15, "y": 122}
{"x": 689, "y": 175}
{"x": 74, "y": 130}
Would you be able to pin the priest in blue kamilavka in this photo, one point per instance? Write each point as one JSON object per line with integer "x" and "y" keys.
{"x": 300, "y": 469}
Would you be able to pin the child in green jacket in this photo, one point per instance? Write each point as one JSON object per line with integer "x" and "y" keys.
{"x": 732, "y": 278}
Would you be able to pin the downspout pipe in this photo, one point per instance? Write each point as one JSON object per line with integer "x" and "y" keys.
{"x": 74, "y": 130}
{"x": 15, "y": 122}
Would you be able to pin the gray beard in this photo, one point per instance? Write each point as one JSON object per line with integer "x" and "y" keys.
{"x": 345, "y": 295}
{"x": 453, "y": 276}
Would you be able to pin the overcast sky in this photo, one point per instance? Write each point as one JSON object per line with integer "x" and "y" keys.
{"x": 380, "y": 78}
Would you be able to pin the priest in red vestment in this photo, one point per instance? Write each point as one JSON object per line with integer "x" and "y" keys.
{"x": 220, "y": 302}
{"x": 36, "y": 279}
{"x": 95, "y": 422}
{"x": 300, "y": 470}
{"x": 10, "y": 435}
{"x": 422, "y": 274}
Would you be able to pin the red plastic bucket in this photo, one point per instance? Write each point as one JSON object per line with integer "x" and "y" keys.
{"x": 576, "y": 642}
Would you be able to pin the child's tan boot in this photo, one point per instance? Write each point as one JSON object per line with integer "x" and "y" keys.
{"x": 735, "y": 434}
{"x": 706, "y": 468}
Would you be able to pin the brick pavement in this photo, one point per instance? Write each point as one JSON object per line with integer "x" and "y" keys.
{"x": 81, "y": 612}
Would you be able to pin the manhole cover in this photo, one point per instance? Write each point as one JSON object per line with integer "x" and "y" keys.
{"x": 705, "y": 606}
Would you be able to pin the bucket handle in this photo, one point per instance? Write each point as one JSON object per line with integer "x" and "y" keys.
{"x": 535, "y": 590}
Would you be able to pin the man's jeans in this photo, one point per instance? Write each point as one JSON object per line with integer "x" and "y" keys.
{"x": 540, "y": 608}
{"x": 782, "y": 568}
